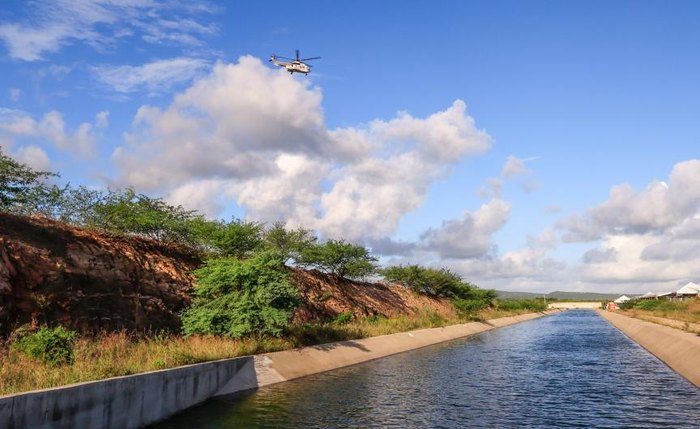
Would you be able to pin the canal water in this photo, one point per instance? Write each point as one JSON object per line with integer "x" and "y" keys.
{"x": 572, "y": 369}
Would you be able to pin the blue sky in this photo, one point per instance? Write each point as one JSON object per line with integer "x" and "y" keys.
{"x": 526, "y": 145}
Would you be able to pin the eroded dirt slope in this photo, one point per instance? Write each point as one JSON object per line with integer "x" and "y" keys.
{"x": 51, "y": 272}
{"x": 325, "y": 296}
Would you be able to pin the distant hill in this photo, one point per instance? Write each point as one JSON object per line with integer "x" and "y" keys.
{"x": 563, "y": 295}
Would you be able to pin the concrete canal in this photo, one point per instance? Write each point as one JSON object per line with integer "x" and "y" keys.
{"x": 571, "y": 369}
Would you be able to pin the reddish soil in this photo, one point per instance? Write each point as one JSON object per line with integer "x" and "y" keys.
{"x": 91, "y": 281}
{"x": 326, "y": 296}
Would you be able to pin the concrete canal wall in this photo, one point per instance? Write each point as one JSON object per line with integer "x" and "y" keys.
{"x": 678, "y": 349}
{"x": 142, "y": 399}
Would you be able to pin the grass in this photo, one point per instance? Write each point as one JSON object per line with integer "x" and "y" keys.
{"x": 684, "y": 311}
{"x": 118, "y": 354}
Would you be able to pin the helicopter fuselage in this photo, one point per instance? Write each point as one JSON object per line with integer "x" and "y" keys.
{"x": 293, "y": 66}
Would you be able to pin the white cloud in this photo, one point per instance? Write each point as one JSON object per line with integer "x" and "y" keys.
{"x": 49, "y": 26}
{"x": 102, "y": 119}
{"x": 33, "y": 156}
{"x": 469, "y": 237}
{"x": 660, "y": 206}
{"x": 260, "y": 133}
{"x": 52, "y": 128}
{"x": 154, "y": 77}
{"x": 514, "y": 166}
{"x": 648, "y": 240}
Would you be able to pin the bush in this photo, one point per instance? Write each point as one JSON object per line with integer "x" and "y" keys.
{"x": 522, "y": 304}
{"x": 653, "y": 304}
{"x": 343, "y": 318}
{"x": 126, "y": 212}
{"x": 436, "y": 282}
{"x": 340, "y": 258}
{"x": 236, "y": 298}
{"x": 23, "y": 189}
{"x": 289, "y": 244}
{"x": 51, "y": 345}
{"x": 237, "y": 238}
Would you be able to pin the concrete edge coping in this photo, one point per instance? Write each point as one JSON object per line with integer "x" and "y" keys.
{"x": 677, "y": 349}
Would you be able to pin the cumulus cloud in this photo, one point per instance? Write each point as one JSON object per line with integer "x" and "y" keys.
{"x": 261, "y": 134}
{"x": 52, "y": 128}
{"x": 512, "y": 168}
{"x": 469, "y": 237}
{"x": 154, "y": 77}
{"x": 648, "y": 240}
{"x": 599, "y": 256}
{"x": 527, "y": 268}
{"x": 50, "y": 26}
{"x": 659, "y": 207}
{"x": 33, "y": 156}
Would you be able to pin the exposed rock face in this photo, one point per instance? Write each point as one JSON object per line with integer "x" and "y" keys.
{"x": 325, "y": 296}
{"x": 89, "y": 281}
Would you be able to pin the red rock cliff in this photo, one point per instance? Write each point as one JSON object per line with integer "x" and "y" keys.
{"x": 51, "y": 272}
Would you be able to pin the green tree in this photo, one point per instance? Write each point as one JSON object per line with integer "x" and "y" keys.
{"x": 289, "y": 244}
{"x": 436, "y": 282}
{"x": 127, "y": 212}
{"x": 240, "y": 297}
{"x": 77, "y": 206}
{"x": 237, "y": 238}
{"x": 22, "y": 189}
{"x": 340, "y": 258}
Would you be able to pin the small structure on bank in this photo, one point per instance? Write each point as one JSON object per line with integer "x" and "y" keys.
{"x": 622, "y": 300}
{"x": 690, "y": 290}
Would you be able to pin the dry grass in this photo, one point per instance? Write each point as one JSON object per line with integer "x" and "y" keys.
{"x": 684, "y": 311}
{"x": 119, "y": 354}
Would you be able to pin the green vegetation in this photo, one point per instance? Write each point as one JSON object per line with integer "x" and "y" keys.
{"x": 340, "y": 258}
{"x": 119, "y": 354}
{"x": 52, "y": 346}
{"x": 522, "y": 304}
{"x": 434, "y": 282}
{"x": 237, "y": 298}
{"x": 24, "y": 190}
{"x": 243, "y": 298}
{"x": 288, "y": 244}
{"x": 685, "y": 311}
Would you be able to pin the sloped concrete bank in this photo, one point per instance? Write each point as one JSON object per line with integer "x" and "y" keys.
{"x": 678, "y": 349}
{"x": 139, "y": 400}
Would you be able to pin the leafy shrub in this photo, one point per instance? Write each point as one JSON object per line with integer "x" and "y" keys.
{"x": 629, "y": 304}
{"x": 339, "y": 258}
{"x": 51, "y": 345}
{"x": 470, "y": 306}
{"x": 236, "y": 297}
{"x": 343, "y": 318}
{"x": 522, "y": 304}
{"x": 658, "y": 305}
{"x": 22, "y": 189}
{"x": 289, "y": 244}
{"x": 237, "y": 238}
{"x": 436, "y": 282}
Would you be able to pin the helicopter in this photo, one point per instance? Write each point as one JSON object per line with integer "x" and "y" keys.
{"x": 294, "y": 64}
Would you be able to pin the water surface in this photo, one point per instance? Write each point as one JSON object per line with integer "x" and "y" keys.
{"x": 571, "y": 369}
